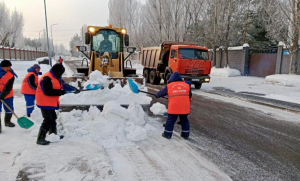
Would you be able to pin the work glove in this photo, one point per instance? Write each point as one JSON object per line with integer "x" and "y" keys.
{"x": 63, "y": 92}
{"x": 76, "y": 91}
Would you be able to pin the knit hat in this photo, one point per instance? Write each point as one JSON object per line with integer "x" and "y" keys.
{"x": 36, "y": 66}
{"x": 5, "y": 63}
{"x": 58, "y": 69}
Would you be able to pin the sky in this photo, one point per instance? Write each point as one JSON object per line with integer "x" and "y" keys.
{"x": 69, "y": 15}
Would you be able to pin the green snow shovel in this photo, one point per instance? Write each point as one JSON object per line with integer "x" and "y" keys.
{"x": 22, "y": 121}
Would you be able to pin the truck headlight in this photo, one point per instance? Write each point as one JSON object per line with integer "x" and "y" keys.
{"x": 123, "y": 31}
{"x": 92, "y": 30}
{"x": 206, "y": 79}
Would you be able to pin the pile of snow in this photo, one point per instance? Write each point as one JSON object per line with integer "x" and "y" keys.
{"x": 225, "y": 72}
{"x": 114, "y": 126}
{"x": 123, "y": 95}
{"x": 158, "y": 109}
{"x": 283, "y": 79}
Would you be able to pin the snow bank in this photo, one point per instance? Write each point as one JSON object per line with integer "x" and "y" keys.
{"x": 123, "y": 95}
{"x": 283, "y": 79}
{"x": 225, "y": 72}
{"x": 158, "y": 109}
{"x": 114, "y": 126}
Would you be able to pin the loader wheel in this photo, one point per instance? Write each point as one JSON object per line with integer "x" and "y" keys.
{"x": 198, "y": 85}
{"x": 154, "y": 79}
{"x": 146, "y": 75}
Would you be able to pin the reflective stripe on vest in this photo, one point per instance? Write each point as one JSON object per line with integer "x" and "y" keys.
{"x": 41, "y": 98}
{"x": 26, "y": 88}
{"x": 3, "y": 81}
{"x": 179, "y": 99}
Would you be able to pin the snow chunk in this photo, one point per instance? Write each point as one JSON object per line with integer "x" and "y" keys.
{"x": 114, "y": 126}
{"x": 137, "y": 114}
{"x": 225, "y": 72}
{"x": 138, "y": 134}
{"x": 158, "y": 109}
{"x": 112, "y": 110}
{"x": 284, "y": 79}
{"x": 53, "y": 138}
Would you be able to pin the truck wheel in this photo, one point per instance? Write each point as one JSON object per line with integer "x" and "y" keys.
{"x": 198, "y": 85}
{"x": 165, "y": 80}
{"x": 154, "y": 79}
{"x": 146, "y": 75}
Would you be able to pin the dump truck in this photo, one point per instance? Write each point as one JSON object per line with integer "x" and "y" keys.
{"x": 106, "y": 54}
{"x": 189, "y": 60}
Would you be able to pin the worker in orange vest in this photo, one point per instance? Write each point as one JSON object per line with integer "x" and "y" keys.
{"x": 29, "y": 86}
{"x": 179, "y": 94}
{"x": 60, "y": 60}
{"x": 50, "y": 88}
{"x": 7, "y": 78}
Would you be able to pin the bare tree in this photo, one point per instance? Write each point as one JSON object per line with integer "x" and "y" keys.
{"x": 282, "y": 18}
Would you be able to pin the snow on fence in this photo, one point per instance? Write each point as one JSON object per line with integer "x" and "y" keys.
{"x": 20, "y": 54}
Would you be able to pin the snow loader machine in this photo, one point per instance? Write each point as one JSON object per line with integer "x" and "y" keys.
{"x": 106, "y": 54}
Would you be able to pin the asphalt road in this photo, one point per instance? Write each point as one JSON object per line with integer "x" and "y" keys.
{"x": 246, "y": 144}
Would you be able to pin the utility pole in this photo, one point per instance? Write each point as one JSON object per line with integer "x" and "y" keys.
{"x": 49, "y": 55}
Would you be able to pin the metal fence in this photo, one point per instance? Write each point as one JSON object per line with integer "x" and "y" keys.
{"x": 20, "y": 54}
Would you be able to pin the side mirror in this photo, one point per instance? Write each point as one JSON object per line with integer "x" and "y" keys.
{"x": 87, "y": 38}
{"x": 126, "y": 40}
{"x": 131, "y": 49}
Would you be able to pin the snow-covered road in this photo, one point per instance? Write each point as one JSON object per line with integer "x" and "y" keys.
{"x": 82, "y": 155}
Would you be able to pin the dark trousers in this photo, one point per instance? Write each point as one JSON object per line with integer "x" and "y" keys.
{"x": 185, "y": 124}
{"x": 49, "y": 119}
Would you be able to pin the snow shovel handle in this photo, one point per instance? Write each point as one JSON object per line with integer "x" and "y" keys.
{"x": 151, "y": 93}
{"x": 9, "y": 109}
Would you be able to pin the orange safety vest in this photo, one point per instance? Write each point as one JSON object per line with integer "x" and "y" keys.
{"x": 60, "y": 60}
{"x": 47, "y": 101}
{"x": 179, "y": 98}
{"x": 26, "y": 89}
{"x": 3, "y": 81}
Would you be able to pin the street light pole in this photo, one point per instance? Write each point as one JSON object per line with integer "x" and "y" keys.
{"x": 52, "y": 38}
{"x": 50, "y": 61}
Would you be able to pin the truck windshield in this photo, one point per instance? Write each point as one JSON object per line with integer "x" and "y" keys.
{"x": 106, "y": 41}
{"x": 191, "y": 53}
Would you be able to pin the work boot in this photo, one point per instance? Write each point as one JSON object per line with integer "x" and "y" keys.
{"x": 184, "y": 137}
{"x": 7, "y": 121}
{"x": 41, "y": 137}
{"x": 54, "y": 130}
{"x": 28, "y": 115}
{"x": 179, "y": 122}
{"x": 163, "y": 135}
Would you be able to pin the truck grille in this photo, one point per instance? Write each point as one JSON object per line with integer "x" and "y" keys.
{"x": 187, "y": 71}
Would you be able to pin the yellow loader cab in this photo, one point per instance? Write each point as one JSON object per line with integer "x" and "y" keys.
{"x": 106, "y": 52}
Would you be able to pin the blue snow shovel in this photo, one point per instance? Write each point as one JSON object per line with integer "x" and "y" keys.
{"x": 22, "y": 121}
{"x": 89, "y": 88}
{"x": 135, "y": 89}
{"x": 93, "y": 86}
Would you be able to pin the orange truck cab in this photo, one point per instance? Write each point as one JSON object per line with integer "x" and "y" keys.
{"x": 192, "y": 62}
